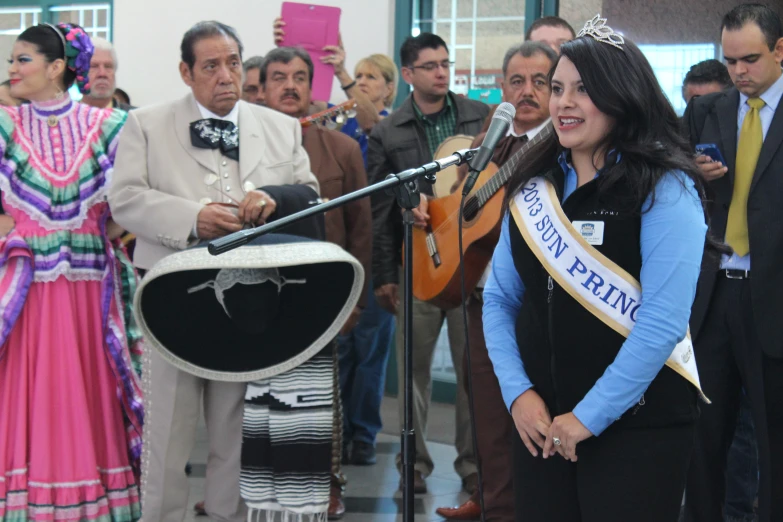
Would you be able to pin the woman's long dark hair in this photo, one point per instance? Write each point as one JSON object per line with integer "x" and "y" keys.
{"x": 647, "y": 132}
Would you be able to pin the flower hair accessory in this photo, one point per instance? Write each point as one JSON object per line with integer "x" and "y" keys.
{"x": 78, "y": 53}
{"x": 597, "y": 29}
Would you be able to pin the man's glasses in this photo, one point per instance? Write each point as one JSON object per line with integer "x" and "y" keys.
{"x": 431, "y": 66}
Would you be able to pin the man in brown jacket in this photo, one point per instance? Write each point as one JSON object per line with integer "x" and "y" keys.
{"x": 336, "y": 160}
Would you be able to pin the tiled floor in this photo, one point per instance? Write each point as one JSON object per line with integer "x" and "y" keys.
{"x": 372, "y": 491}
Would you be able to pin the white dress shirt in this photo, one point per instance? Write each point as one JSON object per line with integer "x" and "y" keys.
{"x": 771, "y": 98}
{"x": 232, "y": 116}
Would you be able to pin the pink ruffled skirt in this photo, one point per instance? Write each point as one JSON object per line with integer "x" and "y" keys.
{"x": 63, "y": 442}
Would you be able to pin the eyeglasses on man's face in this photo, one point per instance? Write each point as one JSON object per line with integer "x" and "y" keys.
{"x": 431, "y": 66}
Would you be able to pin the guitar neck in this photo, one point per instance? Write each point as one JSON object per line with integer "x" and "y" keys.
{"x": 502, "y": 176}
{"x": 327, "y": 114}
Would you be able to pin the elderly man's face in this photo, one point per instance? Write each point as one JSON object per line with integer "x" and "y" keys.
{"x": 526, "y": 85}
{"x": 216, "y": 75}
{"x": 102, "y": 69}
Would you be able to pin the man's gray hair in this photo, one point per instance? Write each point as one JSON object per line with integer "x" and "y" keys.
{"x": 528, "y": 49}
{"x": 254, "y": 62}
{"x": 105, "y": 45}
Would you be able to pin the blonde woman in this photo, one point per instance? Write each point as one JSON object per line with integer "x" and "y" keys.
{"x": 374, "y": 89}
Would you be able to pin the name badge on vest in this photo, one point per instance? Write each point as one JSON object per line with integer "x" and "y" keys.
{"x": 591, "y": 231}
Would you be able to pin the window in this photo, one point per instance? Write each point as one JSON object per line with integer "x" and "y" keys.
{"x": 672, "y": 62}
{"x": 478, "y": 33}
{"x": 12, "y": 22}
{"x": 94, "y": 18}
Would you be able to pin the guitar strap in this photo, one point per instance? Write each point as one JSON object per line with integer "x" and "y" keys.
{"x": 595, "y": 281}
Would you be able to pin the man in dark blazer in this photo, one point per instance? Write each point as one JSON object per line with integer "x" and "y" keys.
{"x": 736, "y": 318}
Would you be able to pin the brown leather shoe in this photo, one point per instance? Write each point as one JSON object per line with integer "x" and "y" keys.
{"x": 336, "y": 504}
{"x": 419, "y": 484}
{"x": 199, "y": 509}
{"x": 470, "y": 510}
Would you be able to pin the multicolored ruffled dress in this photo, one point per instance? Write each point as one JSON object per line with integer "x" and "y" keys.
{"x": 70, "y": 394}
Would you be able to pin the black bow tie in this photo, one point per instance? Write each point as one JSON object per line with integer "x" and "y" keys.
{"x": 211, "y": 133}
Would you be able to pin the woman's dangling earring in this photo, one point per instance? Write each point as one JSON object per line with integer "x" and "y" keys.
{"x": 52, "y": 119}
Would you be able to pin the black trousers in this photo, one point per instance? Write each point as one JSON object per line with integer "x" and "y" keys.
{"x": 729, "y": 357}
{"x": 624, "y": 475}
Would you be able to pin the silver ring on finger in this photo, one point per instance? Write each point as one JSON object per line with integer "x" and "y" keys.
{"x": 556, "y": 441}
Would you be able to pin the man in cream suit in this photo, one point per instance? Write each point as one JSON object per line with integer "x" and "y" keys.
{"x": 197, "y": 169}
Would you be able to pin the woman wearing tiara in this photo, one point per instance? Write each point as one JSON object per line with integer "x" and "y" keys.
{"x": 70, "y": 401}
{"x": 585, "y": 356}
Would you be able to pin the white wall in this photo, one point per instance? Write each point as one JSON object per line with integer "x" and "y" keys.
{"x": 147, "y": 34}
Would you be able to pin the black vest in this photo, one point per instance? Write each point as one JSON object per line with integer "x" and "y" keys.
{"x": 564, "y": 347}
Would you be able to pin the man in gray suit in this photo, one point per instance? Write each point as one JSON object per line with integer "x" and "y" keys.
{"x": 189, "y": 171}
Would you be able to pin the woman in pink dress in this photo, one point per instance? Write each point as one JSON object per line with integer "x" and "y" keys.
{"x": 70, "y": 400}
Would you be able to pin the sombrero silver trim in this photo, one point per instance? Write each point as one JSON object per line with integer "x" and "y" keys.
{"x": 261, "y": 256}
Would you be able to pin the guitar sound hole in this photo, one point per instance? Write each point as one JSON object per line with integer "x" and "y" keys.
{"x": 471, "y": 209}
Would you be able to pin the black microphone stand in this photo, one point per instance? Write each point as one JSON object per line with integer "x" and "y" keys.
{"x": 406, "y": 189}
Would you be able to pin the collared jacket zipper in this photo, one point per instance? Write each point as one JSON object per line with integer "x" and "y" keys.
{"x": 550, "y": 291}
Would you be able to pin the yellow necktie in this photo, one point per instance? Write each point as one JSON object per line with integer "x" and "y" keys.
{"x": 750, "y": 141}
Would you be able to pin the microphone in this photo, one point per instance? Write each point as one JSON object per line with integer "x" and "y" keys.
{"x": 498, "y": 128}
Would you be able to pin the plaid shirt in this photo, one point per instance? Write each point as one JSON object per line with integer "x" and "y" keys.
{"x": 438, "y": 126}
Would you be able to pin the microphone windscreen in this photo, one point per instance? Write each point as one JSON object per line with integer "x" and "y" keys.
{"x": 505, "y": 111}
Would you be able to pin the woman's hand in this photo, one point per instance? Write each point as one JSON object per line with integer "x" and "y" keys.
{"x": 7, "y": 224}
{"x": 337, "y": 59}
{"x": 531, "y": 417}
{"x": 569, "y": 431}
{"x": 278, "y": 31}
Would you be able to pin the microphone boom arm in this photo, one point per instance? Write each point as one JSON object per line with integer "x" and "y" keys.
{"x": 237, "y": 239}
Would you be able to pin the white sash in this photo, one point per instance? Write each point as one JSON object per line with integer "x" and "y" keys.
{"x": 596, "y": 282}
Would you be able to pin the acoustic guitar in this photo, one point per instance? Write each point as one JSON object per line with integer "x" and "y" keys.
{"x": 436, "y": 276}
{"x": 448, "y": 176}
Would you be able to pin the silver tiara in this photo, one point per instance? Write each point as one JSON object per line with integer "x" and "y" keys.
{"x": 597, "y": 28}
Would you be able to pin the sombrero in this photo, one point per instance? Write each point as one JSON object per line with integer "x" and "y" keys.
{"x": 251, "y": 313}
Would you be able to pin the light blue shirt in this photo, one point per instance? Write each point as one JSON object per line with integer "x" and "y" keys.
{"x": 671, "y": 243}
{"x": 771, "y": 98}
